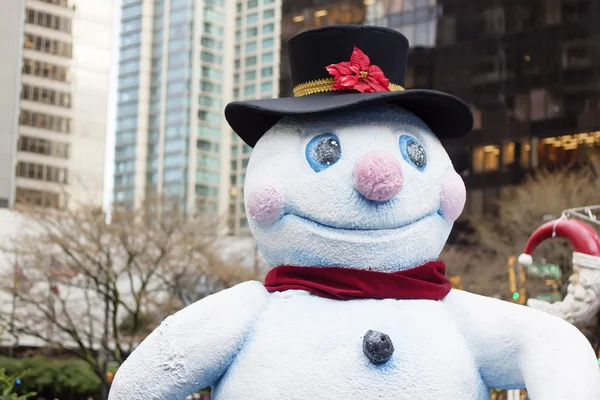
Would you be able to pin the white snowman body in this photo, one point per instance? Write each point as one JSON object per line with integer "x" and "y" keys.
{"x": 373, "y": 190}
{"x": 326, "y": 360}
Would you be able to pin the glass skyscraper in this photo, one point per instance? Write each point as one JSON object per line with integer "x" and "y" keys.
{"x": 181, "y": 62}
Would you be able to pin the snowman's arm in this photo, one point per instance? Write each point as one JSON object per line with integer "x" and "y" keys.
{"x": 191, "y": 349}
{"x": 519, "y": 347}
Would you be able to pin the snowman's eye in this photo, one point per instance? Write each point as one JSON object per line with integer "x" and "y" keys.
{"x": 413, "y": 152}
{"x": 323, "y": 151}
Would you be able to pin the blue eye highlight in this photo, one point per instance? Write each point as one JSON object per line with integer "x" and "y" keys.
{"x": 413, "y": 152}
{"x": 323, "y": 151}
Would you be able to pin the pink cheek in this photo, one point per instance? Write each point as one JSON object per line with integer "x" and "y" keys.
{"x": 454, "y": 196}
{"x": 265, "y": 203}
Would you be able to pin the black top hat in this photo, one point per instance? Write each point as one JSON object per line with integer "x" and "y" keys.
{"x": 348, "y": 66}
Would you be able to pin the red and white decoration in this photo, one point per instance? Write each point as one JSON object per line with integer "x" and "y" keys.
{"x": 582, "y": 302}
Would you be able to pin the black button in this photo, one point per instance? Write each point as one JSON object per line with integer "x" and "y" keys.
{"x": 378, "y": 347}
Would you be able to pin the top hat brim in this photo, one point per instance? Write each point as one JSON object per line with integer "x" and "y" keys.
{"x": 447, "y": 116}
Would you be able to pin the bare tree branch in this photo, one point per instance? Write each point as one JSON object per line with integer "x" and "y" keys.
{"x": 108, "y": 284}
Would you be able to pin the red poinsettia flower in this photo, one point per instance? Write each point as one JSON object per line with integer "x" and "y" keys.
{"x": 358, "y": 74}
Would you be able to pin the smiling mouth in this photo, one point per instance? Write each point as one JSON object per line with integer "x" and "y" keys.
{"x": 358, "y": 229}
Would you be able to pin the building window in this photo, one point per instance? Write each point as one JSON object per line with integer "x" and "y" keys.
{"x": 268, "y": 13}
{"x": 210, "y": 87}
{"x": 250, "y": 61}
{"x": 486, "y": 158}
{"x": 45, "y": 70}
{"x": 209, "y": 102}
{"x": 132, "y": 25}
{"x": 204, "y": 190}
{"x": 269, "y": 28}
{"x": 212, "y": 43}
{"x": 508, "y": 153}
{"x": 267, "y": 58}
{"x": 131, "y": 11}
{"x": 250, "y": 47}
{"x": 212, "y": 73}
{"x": 62, "y": 3}
{"x": 209, "y": 117}
{"x": 251, "y": 32}
{"x": 252, "y": 4}
{"x": 266, "y": 87}
{"x": 207, "y": 161}
{"x": 48, "y": 20}
{"x": 544, "y": 106}
{"x": 204, "y": 145}
{"x": 37, "y": 198}
{"x": 250, "y": 90}
{"x": 250, "y": 75}
{"x": 55, "y": 47}
{"x": 252, "y": 19}
{"x": 131, "y": 38}
{"x": 268, "y": 43}
{"x": 477, "y": 118}
{"x": 45, "y": 121}
{"x": 43, "y": 146}
{"x": 42, "y": 172}
{"x": 207, "y": 176}
{"x": 209, "y": 132}
{"x": 213, "y": 29}
{"x": 266, "y": 72}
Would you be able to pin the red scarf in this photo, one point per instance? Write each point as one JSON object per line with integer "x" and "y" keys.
{"x": 427, "y": 281}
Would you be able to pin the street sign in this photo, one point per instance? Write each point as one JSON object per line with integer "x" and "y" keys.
{"x": 550, "y": 297}
{"x": 544, "y": 271}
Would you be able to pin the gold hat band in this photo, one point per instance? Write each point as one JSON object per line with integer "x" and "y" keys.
{"x": 325, "y": 85}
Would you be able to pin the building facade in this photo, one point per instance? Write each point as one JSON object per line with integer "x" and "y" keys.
{"x": 529, "y": 70}
{"x": 256, "y": 75}
{"x": 181, "y": 62}
{"x": 301, "y": 15}
{"x": 57, "y": 61}
{"x": 11, "y": 26}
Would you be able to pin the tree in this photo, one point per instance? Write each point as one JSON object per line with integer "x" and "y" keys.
{"x": 7, "y": 386}
{"x": 53, "y": 377}
{"x": 542, "y": 196}
{"x": 96, "y": 288}
{"x": 520, "y": 210}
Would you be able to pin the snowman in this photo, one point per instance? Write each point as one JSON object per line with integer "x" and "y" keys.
{"x": 351, "y": 198}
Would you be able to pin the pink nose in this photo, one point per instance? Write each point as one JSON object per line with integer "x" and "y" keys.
{"x": 378, "y": 176}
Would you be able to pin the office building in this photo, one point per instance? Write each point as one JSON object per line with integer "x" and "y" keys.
{"x": 302, "y": 15}
{"x": 529, "y": 70}
{"x": 256, "y": 75}
{"x": 181, "y": 62}
{"x": 55, "y": 80}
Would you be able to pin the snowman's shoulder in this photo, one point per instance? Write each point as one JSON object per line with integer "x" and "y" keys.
{"x": 244, "y": 296}
{"x": 459, "y": 301}
{"x": 465, "y": 305}
{"x": 478, "y": 314}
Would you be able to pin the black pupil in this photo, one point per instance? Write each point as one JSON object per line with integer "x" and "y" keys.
{"x": 416, "y": 153}
{"x": 328, "y": 151}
